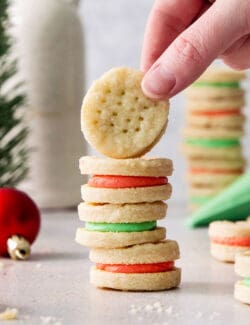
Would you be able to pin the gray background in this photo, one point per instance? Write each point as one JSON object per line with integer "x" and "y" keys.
{"x": 113, "y": 37}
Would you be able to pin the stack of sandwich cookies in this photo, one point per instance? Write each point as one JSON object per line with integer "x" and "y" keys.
{"x": 123, "y": 210}
{"x": 124, "y": 195}
{"x": 145, "y": 267}
{"x": 242, "y": 268}
{"x": 228, "y": 239}
{"x": 214, "y": 127}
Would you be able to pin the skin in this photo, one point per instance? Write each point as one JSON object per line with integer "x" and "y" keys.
{"x": 183, "y": 37}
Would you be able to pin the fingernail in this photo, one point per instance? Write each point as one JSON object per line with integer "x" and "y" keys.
{"x": 158, "y": 82}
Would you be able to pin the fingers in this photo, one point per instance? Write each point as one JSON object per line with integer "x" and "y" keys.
{"x": 167, "y": 19}
{"x": 239, "y": 58}
{"x": 193, "y": 51}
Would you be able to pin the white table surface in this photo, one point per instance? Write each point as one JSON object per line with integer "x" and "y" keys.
{"x": 53, "y": 288}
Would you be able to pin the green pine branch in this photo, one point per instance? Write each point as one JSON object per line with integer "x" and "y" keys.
{"x": 13, "y": 133}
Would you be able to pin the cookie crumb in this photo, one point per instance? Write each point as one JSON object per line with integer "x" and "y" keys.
{"x": 9, "y": 314}
{"x": 1, "y": 266}
{"x": 199, "y": 315}
{"x": 50, "y": 320}
{"x": 159, "y": 310}
{"x": 214, "y": 315}
{"x": 157, "y": 304}
{"x": 148, "y": 308}
{"x": 46, "y": 319}
{"x": 169, "y": 310}
{"x": 133, "y": 311}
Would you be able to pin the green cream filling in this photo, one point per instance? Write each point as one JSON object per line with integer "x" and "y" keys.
{"x": 246, "y": 281}
{"x": 120, "y": 227}
{"x": 225, "y": 84}
{"x": 199, "y": 199}
{"x": 214, "y": 143}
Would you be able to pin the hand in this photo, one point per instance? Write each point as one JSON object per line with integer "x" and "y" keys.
{"x": 183, "y": 37}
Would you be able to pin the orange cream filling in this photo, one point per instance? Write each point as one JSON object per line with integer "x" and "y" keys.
{"x": 113, "y": 181}
{"x": 227, "y": 112}
{"x": 215, "y": 171}
{"x": 136, "y": 268}
{"x": 232, "y": 241}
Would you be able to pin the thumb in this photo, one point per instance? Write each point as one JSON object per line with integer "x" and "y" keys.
{"x": 192, "y": 51}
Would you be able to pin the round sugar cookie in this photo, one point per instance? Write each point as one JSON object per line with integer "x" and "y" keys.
{"x": 212, "y": 133}
{"x": 117, "y": 119}
{"x": 135, "y": 281}
{"x": 242, "y": 292}
{"x": 118, "y": 239}
{"x": 146, "y": 166}
{"x": 229, "y": 229}
{"x": 199, "y": 152}
{"x": 201, "y": 104}
{"x": 122, "y": 213}
{"x": 213, "y": 172}
{"x": 225, "y": 165}
{"x": 126, "y": 195}
{"x": 226, "y": 253}
{"x": 213, "y": 92}
{"x": 211, "y": 179}
{"x": 162, "y": 251}
{"x": 242, "y": 264}
{"x": 215, "y": 122}
{"x": 217, "y": 74}
{"x": 205, "y": 191}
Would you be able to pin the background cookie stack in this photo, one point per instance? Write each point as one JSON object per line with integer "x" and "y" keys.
{"x": 214, "y": 127}
{"x": 124, "y": 197}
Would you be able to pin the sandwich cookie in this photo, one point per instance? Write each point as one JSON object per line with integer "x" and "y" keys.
{"x": 242, "y": 268}
{"x": 117, "y": 119}
{"x": 214, "y": 172}
{"x": 222, "y": 75}
{"x": 118, "y": 225}
{"x": 199, "y": 147}
{"x": 200, "y": 133}
{"x": 216, "y": 143}
{"x": 126, "y": 181}
{"x": 213, "y": 90}
{"x": 211, "y": 104}
{"x": 217, "y": 84}
{"x": 229, "y": 238}
{"x": 145, "y": 267}
{"x": 230, "y": 118}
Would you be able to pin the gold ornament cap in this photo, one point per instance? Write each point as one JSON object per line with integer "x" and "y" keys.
{"x": 18, "y": 247}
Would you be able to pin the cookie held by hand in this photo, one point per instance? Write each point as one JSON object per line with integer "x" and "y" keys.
{"x": 118, "y": 120}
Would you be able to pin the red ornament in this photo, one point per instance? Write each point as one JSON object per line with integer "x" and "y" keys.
{"x": 19, "y": 216}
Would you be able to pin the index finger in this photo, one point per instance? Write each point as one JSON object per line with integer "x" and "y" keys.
{"x": 168, "y": 18}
